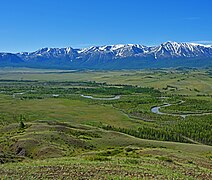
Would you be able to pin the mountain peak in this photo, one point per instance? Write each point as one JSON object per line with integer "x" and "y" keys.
{"x": 169, "y": 42}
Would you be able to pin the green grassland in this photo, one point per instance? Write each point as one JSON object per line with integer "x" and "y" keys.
{"x": 178, "y": 81}
{"x": 48, "y": 130}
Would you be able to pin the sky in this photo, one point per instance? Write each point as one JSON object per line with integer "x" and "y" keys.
{"x": 28, "y": 25}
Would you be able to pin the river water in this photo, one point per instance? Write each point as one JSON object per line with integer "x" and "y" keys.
{"x": 105, "y": 99}
{"x": 156, "y": 110}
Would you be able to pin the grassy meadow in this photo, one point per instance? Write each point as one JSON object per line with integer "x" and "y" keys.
{"x": 48, "y": 130}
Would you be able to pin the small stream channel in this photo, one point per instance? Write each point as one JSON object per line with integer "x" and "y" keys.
{"x": 105, "y": 99}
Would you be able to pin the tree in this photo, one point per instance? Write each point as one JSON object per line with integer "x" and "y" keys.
{"x": 21, "y": 124}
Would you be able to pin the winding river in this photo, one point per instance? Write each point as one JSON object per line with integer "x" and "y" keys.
{"x": 105, "y": 99}
{"x": 156, "y": 110}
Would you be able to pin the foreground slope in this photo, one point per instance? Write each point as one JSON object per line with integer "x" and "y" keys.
{"x": 81, "y": 151}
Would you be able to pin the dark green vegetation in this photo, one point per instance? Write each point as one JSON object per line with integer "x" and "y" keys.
{"x": 43, "y": 115}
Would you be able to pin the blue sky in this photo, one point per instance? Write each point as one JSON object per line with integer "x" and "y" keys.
{"x": 27, "y": 25}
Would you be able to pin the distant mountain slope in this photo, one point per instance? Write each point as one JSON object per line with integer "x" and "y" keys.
{"x": 9, "y": 59}
{"x": 168, "y": 54}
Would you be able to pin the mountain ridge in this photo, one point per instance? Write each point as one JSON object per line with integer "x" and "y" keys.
{"x": 112, "y": 56}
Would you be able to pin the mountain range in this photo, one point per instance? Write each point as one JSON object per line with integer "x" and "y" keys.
{"x": 121, "y": 56}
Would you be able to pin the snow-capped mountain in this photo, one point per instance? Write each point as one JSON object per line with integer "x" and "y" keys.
{"x": 49, "y": 53}
{"x": 120, "y": 50}
{"x": 173, "y": 49}
{"x": 165, "y": 50}
{"x": 102, "y": 56}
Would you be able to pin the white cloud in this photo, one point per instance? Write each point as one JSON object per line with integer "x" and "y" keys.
{"x": 207, "y": 42}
